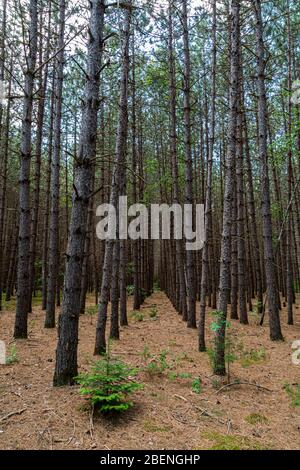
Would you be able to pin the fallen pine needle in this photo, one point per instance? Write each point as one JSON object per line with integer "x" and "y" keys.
{"x": 12, "y": 414}
{"x": 202, "y": 410}
{"x": 244, "y": 383}
{"x": 181, "y": 398}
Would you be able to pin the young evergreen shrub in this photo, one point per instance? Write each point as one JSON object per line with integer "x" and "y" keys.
{"x": 108, "y": 385}
{"x": 12, "y": 356}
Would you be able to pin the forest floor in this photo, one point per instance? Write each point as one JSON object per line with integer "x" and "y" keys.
{"x": 167, "y": 413}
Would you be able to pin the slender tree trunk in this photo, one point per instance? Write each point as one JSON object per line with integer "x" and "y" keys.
{"x": 135, "y": 243}
{"x": 87, "y": 249}
{"x": 224, "y": 282}
{"x": 274, "y": 320}
{"x": 4, "y": 147}
{"x": 20, "y": 330}
{"x": 47, "y": 203}
{"x": 123, "y": 286}
{"x": 12, "y": 263}
{"x": 123, "y": 267}
{"x": 190, "y": 255}
{"x": 38, "y": 154}
{"x": 208, "y": 198}
{"x": 234, "y": 286}
{"x": 289, "y": 262}
{"x": 2, "y": 56}
{"x": 53, "y": 266}
{"x": 173, "y": 149}
{"x": 66, "y": 352}
{"x": 115, "y": 293}
{"x": 241, "y": 245}
{"x": 100, "y": 343}
{"x": 253, "y": 220}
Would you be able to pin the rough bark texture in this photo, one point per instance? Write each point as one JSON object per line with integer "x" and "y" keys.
{"x": 234, "y": 251}
{"x": 53, "y": 267}
{"x": 43, "y": 80}
{"x": 87, "y": 249}
{"x": 20, "y": 330}
{"x": 135, "y": 243}
{"x": 224, "y": 282}
{"x": 66, "y": 352}
{"x": 47, "y": 205}
{"x": 289, "y": 247}
{"x": 100, "y": 343}
{"x": 114, "y": 317}
{"x": 274, "y": 321}
{"x": 2, "y": 55}
{"x": 4, "y": 149}
{"x": 182, "y": 305}
{"x": 241, "y": 246}
{"x": 253, "y": 221}
{"x": 208, "y": 196}
{"x": 190, "y": 255}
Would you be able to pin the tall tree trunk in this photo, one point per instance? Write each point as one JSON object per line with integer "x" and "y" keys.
{"x": 100, "y": 342}
{"x": 4, "y": 149}
{"x": 123, "y": 266}
{"x": 135, "y": 243}
{"x": 66, "y": 352}
{"x": 173, "y": 149}
{"x": 253, "y": 219}
{"x": 289, "y": 262}
{"x": 2, "y": 57}
{"x": 47, "y": 202}
{"x": 234, "y": 286}
{"x": 38, "y": 153}
{"x": 241, "y": 245}
{"x": 3, "y": 157}
{"x": 20, "y": 330}
{"x": 12, "y": 263}
{"x": 87, "y": 250}
{"x": 115, "y": 293}
{"x": 274, "y": 320}
{"x": 224, "y": 282}
{"x": 208, "y": 198}
{"x": 53, "y": 266}
{"x": 190, "y": 255}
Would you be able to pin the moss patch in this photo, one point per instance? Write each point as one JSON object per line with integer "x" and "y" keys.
{"x": 293, "y": 392}
{"x": 250, "y": 358}
{"x": 152, "y": 426}
{"x": 226, "y": 442}
{"x": 256, "y": 418}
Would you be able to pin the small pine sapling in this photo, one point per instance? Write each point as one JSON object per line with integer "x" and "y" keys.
{"x": 108, "y": 385}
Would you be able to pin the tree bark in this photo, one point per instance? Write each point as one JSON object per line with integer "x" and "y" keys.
{"x": 53, "y": 266}
{"x": 20, "y": 330}
{"x": 182, "y": 305}
{"x": 38, "y": 154}
{"x": 274, "y": 320}
{"x": 66, "y": 352}
{"x": 190, "y": 255}
{"x": 224, "y": 282}
{"x": 100, "y": 342}
{"x": 208, "y": 197}
{"x": 47, "y": 202}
